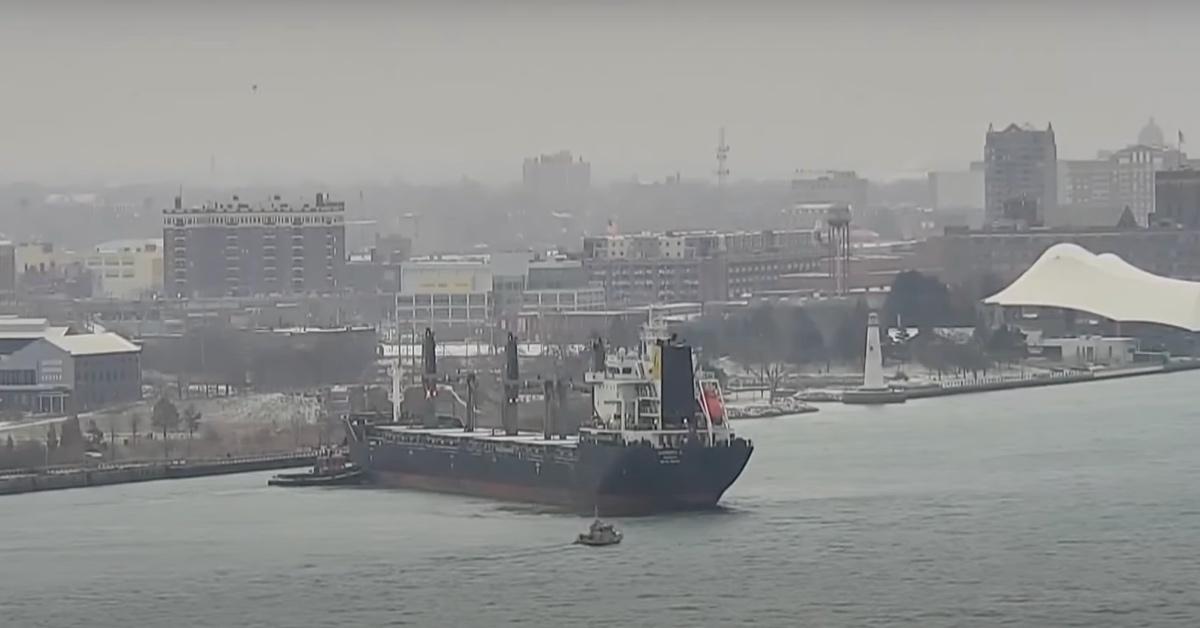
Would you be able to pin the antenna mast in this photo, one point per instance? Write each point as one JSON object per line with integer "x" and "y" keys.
{"x": 722, "y": 159}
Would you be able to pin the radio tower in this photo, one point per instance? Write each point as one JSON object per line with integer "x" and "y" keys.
{"x": 722, "y": 168}
{"x": 722, "y": 159}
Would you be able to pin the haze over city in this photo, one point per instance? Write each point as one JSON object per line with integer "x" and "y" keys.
{"x": 605, "y": 313}
{"x": 280, "y": 92}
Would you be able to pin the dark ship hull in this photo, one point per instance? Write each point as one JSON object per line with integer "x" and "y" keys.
{"x": 580, "y": 474}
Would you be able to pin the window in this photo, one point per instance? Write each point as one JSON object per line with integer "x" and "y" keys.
{"x": 18, "y": 377}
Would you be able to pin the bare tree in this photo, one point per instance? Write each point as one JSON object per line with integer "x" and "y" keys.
{"x": 135, "y": 423}
{"x": 764, "y": 348}
{"x": 165, "y": 417}
{"x": 191, "y": 423}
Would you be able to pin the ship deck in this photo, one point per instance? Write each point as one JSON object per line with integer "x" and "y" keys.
{"x": 485, "y": 434}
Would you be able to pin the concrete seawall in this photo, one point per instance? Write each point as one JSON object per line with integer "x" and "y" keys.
{"x": 51, "y": 479}
{"x": 987, "y": 384}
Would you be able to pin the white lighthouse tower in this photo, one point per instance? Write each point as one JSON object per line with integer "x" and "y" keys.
{"x": 873, "y": 366}
{"x": 873, "y": 390}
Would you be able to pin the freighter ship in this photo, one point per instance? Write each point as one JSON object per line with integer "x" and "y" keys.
{"x": 657, "y": 439}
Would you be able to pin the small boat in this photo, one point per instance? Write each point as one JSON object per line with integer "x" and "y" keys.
{"x": 599, "y": 534}
{"x": 331, "y": 469}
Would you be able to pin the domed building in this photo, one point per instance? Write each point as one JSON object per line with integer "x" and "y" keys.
{"x": 1152, "y": 135}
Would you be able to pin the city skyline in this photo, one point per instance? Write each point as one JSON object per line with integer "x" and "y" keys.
{"x": 432, "y": 93}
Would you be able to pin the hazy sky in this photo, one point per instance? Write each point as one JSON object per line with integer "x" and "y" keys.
{"x": 430, "y": 91}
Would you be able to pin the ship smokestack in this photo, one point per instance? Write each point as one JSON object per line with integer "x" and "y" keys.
{"x": 512, "y": 387}
{"x": 429, "y": 352}
{"x": 429, "y": 378}
{"x": 471, "y": 419}
{"x": 598, "y": 355}
{"x": 551, "y": 399}
{"x": 560, "y": 408}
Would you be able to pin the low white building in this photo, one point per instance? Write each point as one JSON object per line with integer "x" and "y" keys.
{"x": 445, "y": 293}
{"x": 1090, "y": 350}
{"x": 127, "y": 269}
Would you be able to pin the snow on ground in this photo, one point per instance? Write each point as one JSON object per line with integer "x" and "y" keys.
{"x": 258, "y": 408}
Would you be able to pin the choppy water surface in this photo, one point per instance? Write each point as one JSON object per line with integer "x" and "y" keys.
{"x": 1075, "y": 505}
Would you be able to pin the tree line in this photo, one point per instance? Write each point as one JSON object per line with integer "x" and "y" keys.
{"x": 773, "y": 340}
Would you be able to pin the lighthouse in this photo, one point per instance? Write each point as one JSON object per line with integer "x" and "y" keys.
{"x": 873, "y": 390}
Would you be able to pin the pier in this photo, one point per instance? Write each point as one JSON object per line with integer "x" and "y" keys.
{"x": 80, "y": 476}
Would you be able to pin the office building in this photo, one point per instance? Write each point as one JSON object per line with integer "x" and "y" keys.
{"x": 1177, "y": 199}
{"x": 127, "y": 269}
{"x": 696, "y": 266}
{"x": 1020, "y": 175}
{"x": 48, "y": 370}
{"x": 1133, "y": 179}
{"x": 557, "y": 179}
{"x": 239, "y": 249}
{"x": 463, "y": 295}
{"x": 8, "y": 270}
{"x": 451, "y": 294}
{"x": 1085, "y": 182}
{"x": 837, "y": 187}
{"x": 957, "y": 190}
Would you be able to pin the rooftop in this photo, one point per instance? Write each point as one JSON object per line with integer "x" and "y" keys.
{"x": 1069, "y": 276}
{"x": 129, "y": 246}
{"x": 93, "y": 344}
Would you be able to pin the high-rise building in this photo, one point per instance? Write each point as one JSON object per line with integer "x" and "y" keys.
{"x": 839, "y": 187}
{"x": 8, "y": 270}
{"x": 1085, "y": 182}
{"x": 558, "y": 180}
{"x": 1020, "y": 175}
{"x": 962, "y": 190}
{"x": 238, "y": 249}
{"x": 1177, "y": 199}
{"x": 1092, "y": 191}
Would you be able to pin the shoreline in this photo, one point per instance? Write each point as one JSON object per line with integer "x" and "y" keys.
{"x": 1000, "y": 383}
{"x": 996, "y": 384}
{"x": 22, "y": 481}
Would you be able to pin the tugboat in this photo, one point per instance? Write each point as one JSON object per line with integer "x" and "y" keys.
{"x": 599, "y": 535}
{"x": 331, "y": 469}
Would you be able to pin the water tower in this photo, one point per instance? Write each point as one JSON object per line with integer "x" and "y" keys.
{"x": 837, "y": 230}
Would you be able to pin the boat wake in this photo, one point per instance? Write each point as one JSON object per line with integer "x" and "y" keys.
{"x": 516, "y": 554}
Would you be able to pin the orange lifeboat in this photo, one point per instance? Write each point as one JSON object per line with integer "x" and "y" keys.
{"x": 713, "y": 405}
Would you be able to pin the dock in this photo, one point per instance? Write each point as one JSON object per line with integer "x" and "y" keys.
{"x": 80, "y": 476}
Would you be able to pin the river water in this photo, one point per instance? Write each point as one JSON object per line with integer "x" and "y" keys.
{"x": 1072, "y": 505}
